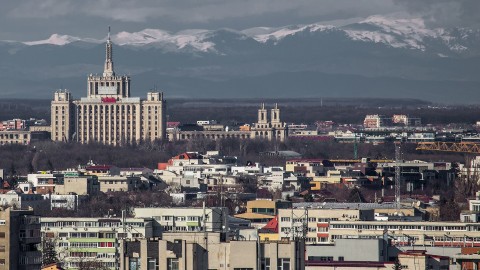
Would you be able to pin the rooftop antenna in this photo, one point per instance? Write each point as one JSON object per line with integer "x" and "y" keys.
{"x": 109, "y": 32}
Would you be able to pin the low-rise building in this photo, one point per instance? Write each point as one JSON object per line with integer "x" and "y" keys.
{"x": 120, "y": 183}
{"x": 376, "y": 121}
{"x": 420, "y": 259}
{"x": 353, "y": 250}
{"x": 20, "y": 200}
{"x": 78, "y": 183}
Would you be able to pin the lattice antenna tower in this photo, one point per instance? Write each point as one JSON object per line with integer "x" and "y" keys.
{"x": 299, "y": 231}
{"x": 398, "y": 180}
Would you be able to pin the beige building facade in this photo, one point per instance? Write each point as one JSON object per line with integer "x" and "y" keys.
{"x": 15, "y": 137}
{"x": 108, "y": 115}
{"x": 270, "y": 130}
{"x": 209, "y": 251}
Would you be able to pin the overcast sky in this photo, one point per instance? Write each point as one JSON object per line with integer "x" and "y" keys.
{"x": 25, "y": 20}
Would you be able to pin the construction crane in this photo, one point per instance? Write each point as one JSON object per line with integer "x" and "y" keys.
{"x": 458, "y": 147}
{"x": 398, "y": 175}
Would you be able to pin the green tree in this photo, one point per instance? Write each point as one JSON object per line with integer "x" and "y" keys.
{"x": 355, "y": 196}
{"x": 49, "y": 254}
{"x": 397, "y": 265}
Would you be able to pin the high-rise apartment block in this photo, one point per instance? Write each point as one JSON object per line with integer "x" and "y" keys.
{"x": 19, "y": 240}
{"x": 108, "y": 114}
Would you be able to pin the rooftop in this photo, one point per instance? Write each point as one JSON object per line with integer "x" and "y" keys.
{"x": 337, "y": 205}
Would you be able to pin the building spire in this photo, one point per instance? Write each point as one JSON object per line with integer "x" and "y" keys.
{"x": 108, "y": 69}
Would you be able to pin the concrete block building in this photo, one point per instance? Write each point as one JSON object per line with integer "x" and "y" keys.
{"x": 93, "y": 240}
{"x": 19, "y": 237}
{"x": 209, "y": 251}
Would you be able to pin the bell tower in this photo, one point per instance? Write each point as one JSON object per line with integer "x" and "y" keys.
{"x": 262, "y": 115}
{"x": 275, "y": 115}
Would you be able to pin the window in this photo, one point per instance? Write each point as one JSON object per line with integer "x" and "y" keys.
{"x": 283, "y": 264}
{"x": 341, "y": 258}
{"x": 134, "y": 264}
{"x": 152, "y": 264}
{"x": 265, "y": 264}
{"x": 172, "y": 264}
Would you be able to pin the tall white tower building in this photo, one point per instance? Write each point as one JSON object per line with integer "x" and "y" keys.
{"x": 108, "y": 114}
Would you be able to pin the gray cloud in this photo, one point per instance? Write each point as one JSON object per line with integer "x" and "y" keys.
{"x": 193, "y": 11}
{"x": 445, "y": 12}
{"x": 35, "y": 19}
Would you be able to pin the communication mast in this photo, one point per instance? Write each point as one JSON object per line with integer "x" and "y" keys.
{"x": 299, "y": 224}
{"x": 398, "y": 181}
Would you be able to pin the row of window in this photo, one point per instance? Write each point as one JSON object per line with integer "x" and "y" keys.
{"x": 405, "y": 227}
{"x": 310, "y": 219}
{"x": 180, "y": 218}
{"x": 90, "y": 224}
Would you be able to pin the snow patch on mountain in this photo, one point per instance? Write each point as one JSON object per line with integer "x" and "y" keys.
{"x": 54, "y": 39}
{"x": 280, "y": 33}
{"x": 194, "y": 38}
{"x": 396, "y": 32}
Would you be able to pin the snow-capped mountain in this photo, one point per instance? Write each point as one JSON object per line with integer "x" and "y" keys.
{"x": 377, "y": 56}
{"x": 410, "y": 33}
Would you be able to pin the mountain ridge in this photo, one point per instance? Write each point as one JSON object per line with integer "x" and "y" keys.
{"x": 374, "y": 57}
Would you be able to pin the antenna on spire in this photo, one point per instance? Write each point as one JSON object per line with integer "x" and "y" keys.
{"x": 109, "y": 32}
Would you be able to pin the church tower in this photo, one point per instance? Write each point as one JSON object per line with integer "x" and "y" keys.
{"x": 269, "y": 130}
{"x": 262, "y": 115}
{"x": 275, "y": 115}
